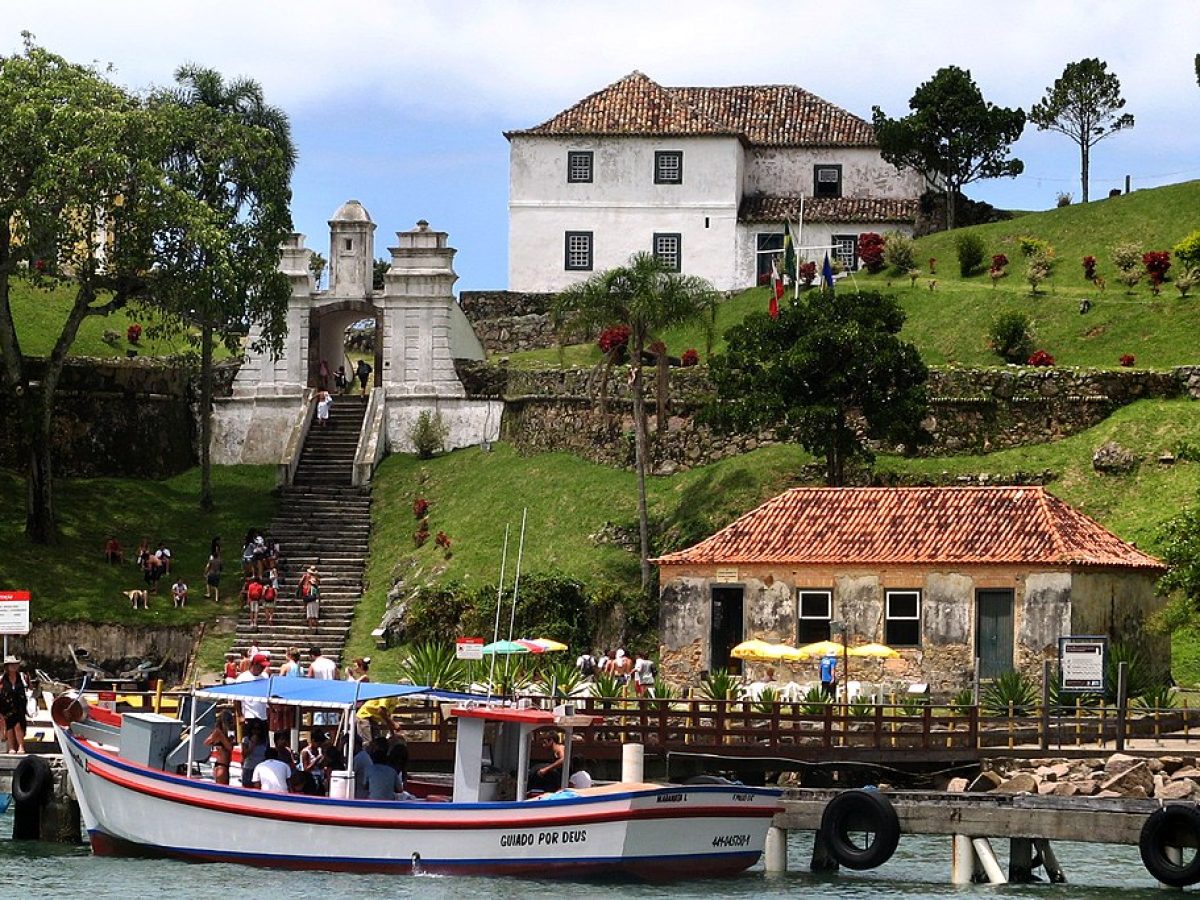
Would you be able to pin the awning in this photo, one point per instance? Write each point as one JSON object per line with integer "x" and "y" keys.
{"x": 316, "y": 692}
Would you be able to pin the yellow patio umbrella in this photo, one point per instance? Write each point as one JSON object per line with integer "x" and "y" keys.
{"x": 820, "y": 648}
{"x": 876, "y": 651}
{"x": 753, "y": 649}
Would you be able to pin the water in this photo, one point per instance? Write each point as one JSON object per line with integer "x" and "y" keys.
{"x": 920, "y": 869}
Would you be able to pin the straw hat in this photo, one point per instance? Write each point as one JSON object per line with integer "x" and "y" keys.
{"x": 11, "y": 660}
{"x": 312, "y": 570}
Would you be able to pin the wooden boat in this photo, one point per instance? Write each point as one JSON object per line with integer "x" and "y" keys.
{"x": 136, "y": 779}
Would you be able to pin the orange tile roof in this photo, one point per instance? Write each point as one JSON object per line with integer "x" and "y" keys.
{"x": 827, "y": 209}
{"x": 777, "y": 115}
{"x": 916, "y": 526}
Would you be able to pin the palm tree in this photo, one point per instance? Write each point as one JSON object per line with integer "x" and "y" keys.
{"x": 250, "y": 198}
{"x": 647, "y": 298}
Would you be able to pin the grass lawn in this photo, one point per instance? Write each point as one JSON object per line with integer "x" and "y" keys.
{"x": 39, "y": 317}
{"x": 72, "y": 582}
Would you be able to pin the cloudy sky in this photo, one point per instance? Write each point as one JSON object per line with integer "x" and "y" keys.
{"x": 401, "y": 105}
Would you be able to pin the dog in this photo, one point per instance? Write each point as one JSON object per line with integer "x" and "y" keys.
{"x": 136, "y": 597}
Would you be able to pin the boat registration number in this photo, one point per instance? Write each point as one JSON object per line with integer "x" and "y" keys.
{"x": 544, "y": 838}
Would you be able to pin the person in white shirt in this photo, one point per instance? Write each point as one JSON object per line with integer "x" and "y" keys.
{"x": 255, "y": 709}
{"x": 325, "y": 668}
{"x": 271, "y": 774}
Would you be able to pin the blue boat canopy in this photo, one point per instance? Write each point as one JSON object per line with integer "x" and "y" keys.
{"x": 316, "y": 692}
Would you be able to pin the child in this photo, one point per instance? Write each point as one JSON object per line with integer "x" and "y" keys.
{"x": 179, "y": 592}
{"x": 339, "y": 380}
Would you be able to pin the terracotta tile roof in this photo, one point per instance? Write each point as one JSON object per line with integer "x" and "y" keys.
{"x": 842, "y": 209}
{"x": 916, "y": 526}
{"x": 777, "y": 115}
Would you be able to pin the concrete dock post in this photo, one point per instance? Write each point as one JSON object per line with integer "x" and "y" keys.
{"x": 775, "y": 850}
{"x": 991, "y": 865}
{"x": 633, "y": 762}
{"x": 962, "y": 859}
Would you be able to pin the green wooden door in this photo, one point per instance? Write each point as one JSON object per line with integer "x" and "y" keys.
{"x": 994, "y": 632}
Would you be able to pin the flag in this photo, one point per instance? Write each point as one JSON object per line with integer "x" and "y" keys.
{"x": 827, "y": 272}
{"x": 776, "y": 290}
{"x": 789, "y": 256}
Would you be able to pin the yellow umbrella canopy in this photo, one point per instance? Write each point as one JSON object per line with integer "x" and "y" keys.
{"x": 878, "y": 651}
{"x": 763, "y": 651}
{"x": 820, "y": 648}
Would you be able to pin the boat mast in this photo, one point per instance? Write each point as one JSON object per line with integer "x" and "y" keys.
{"x": 512, "y": 619}
{"x": 499, "y": 601}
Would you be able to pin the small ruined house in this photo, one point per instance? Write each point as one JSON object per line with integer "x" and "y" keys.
{"x": 943, "y": 575}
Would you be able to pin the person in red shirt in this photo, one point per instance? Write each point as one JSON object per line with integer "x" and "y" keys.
{"x": 268, "y": 601}
{"x": 113, "y": 552}
{"x": 254, "y": 596}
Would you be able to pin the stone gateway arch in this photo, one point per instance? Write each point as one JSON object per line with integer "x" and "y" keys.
{"x": 419, "y": 332}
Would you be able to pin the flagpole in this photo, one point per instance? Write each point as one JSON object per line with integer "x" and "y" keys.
{"x": 799, "y": 243}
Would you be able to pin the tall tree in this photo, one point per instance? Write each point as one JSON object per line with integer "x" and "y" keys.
{"x": 83, "y": 206}
{"x": 647, "y": 298}
{"x": 953, "y": 135}
{"x": 237, "y": 163}
{"x": 829, "y": 373}
{"x": 1085, "y": 104}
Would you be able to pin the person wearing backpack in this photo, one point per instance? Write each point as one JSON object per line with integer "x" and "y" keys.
{"x": 363, "y": 371}
{"x": 586, "y": 664}
{"x": 643, "y": 676}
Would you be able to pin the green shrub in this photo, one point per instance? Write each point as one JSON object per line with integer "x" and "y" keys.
{"x": 1187, "y": 251}
{"x": 1011, "y": 337}
{"x": 1127, "y": 257}
{"x": 560, "y": 677}
{"x": 1186, "y": 280}
{"x": 1032, "y": 246}
{"x": 898, "y": 252}
{"x": 719, "y": 684}
{"x": 1037, "y": 269}
{"x": 815, "y": 702}
{"x": 961, "y": 702}
{"x": 1159, "y": 697}
{"x": 607, "y": 687}
{"x": 1011, "y": 690}
{"x": 434, "y": 664}
{"x": 969, "y": 247}
{"x": 767, "y": 701}
{"x": 428, "y": 434}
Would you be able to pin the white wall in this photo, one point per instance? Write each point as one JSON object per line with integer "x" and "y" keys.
{"x": 815, "y": 234}
{"x": 622, "y": 206}
{"x": 788, "y": 171}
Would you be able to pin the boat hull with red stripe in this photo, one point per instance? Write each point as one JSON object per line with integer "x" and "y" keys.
{"x": 643, "y": 830}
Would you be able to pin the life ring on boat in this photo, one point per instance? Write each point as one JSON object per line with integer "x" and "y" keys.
{"x": 32, "y": 781}
{"x": 853, "y": 813}
{"x": 1176, "y": 825}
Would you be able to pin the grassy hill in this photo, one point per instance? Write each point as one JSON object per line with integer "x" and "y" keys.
{"x": 949, "y": 324}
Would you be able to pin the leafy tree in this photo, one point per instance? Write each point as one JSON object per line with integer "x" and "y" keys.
{"x": 1084, "y": 103}
{"x": 952, "y": 135}
{"x": 236, "y": 161}
{"x": 829, "y": 373}
{"x": 1181, "y": 550}
{"x": 647, "y": 298}
{"x": 84, "y": 204}
{"x": 316, "y": 265}
{"x": 378, "y": 270}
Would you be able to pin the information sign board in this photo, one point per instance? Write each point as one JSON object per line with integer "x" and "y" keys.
{"x": 469, "y": 648}
{"x": 14, "y": 612}
{"x": 1081, "y": 663}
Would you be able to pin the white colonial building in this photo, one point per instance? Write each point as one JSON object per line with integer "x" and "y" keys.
{"x": 703, "y": 177}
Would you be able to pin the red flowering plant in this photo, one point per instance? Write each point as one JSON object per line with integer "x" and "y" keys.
{"x": 1041, "y": 358}
{"x": 420, "y": 508}
{"x": 134, "y": 333}
{"x": 690, "y": 357}
{"x": 1156, "y": 263}
{"x": 933, "y": 265}
{"x": 613, "y": 337}
{"x": 442, "y": 540}
{"x": 807, "y": 273}
{"x": 1089, "y": 268}
{"x": 421, "y": 535}
{"x": 999, "y": 261}
{"x": 870, "y": 251}
{"x": 1127, "y": 360}
{"x": 764, "y": 278}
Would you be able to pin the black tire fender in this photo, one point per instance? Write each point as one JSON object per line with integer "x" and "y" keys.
{"x": 32, "y": 781}
{"x": 1174, "y": 825}
{"x": 864, "y": 812}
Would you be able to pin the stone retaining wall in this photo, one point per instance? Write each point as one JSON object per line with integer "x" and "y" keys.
{"x": 506, "y": 321}
{"x": 971, "y": 410}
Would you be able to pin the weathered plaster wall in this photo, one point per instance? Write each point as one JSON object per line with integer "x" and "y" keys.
{"x": 788, "y": 171}
{"x": 1118, "y": 605}
{"x": 468, "y": 422}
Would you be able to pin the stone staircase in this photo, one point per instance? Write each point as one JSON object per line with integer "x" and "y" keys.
{"x": 322, "y": 521}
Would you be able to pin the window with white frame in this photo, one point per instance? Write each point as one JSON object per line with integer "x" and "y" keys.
{"x": 768, "y": 246}
{"x": 668, "y": 167}
{"x": 902, "y": 619}
{"x": 668, "y": 249}
{"x": 827, "y": 181}
{"x": 813, "y": 612}
{"x": 579, "y": 166}
{"x": 845, "y": 250}
{"x": 578, "y": 253}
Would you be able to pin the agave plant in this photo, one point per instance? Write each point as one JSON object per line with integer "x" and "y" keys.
{"x": 767, "y": 700}
{"x": 1160, "y": 697}
{"x": 664, "y": 690}
{"x": 560, "y": 679}
{"x": 910, "y": 704}
{"x": 962, "y": 702}
{"x": 607, "y": 687}
{"x": 861, "y": 709}
{"x": 814, "y": 702}
{"x": 719, "y": 684}
{"x": 1010, "y": 691}
{"x": 434, "y": 664}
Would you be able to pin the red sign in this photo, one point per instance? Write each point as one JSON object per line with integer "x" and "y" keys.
{"x": 469, "y": 648}
{"x": 107, "y": 695}
{"x": 14, "y": 612}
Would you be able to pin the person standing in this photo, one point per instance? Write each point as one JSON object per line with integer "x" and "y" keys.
{"x": 829, "y": 675}
{"x": 13, "y": 700}
{"x": 221, "y": 742}
{"x": 363, "y": 371}
{"x": 254, "y": 596}
{"x": 255, "y": 710}
{"x": 324, "y": 403}
{"x": 310, "y": 593}
{"x": 292, "y": 668}
{"x": 212, "y": 572}
{"x": 325, "y": 668}
{"x": 643, "y": 676}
